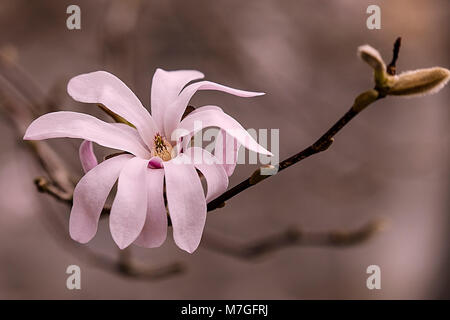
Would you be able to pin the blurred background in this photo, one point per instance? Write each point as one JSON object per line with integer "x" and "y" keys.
{"x": 392, "y": 161}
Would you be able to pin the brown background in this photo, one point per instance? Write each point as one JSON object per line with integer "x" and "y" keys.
{"x": 392, "y": 161}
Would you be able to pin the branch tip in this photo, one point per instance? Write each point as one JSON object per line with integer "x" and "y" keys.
{"x": 391, "y": 68}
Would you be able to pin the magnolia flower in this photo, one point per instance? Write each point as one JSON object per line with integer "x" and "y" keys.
{"x": 156, "y": 160}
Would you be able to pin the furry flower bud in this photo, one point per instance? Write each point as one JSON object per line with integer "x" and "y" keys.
{"x": 373, "y": 58}
{"x": 420, "y": 82}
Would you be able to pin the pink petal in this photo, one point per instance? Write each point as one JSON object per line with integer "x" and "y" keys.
{"x": 129, "y": 208}
{"x": 212, "y": 170}
{"x": 186, "y": 139}
{"x": 186, "y": 202}
{"x": 166, "y": 87}
{"x": 105, "y": 88}
{"x": 87, "y": 156}
{"x": 215, "y": 118}
{"x": 130, "y": 131}
{"x": 90, "y": 196}
{"x": 173, "y": 114}
{"x": 226, "y": 150}
{"x": 204, "y": 108}
{"x": 66, "y": 124}
{"x": 154, "y": 232}
{"x": 155, "y": 163}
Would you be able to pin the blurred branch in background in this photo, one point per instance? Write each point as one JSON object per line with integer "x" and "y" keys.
{"x": 130, "y": 267}
{"x": 292, "y": 237}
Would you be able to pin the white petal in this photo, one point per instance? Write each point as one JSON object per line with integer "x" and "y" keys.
{"x": 186, "y": 139}
{"x": 226, "y": 150}
{"x": 174, "y": 113}
{"x": 186, "y": 202}
{"x": 166, "y": 87}
{"x": 130, "y": 131}
{"x": 214, "y": 118}
{"x": 212, "y": 170}
{"x": 226, "y": 147}
{"x": 87, "y": 156}
{"x": 105, "y": 88}
{"x": 90, "y": 196}
{"x": 66, "y": 124}
{"x": 154, "y": 232}
{"x": 129, "y": 208}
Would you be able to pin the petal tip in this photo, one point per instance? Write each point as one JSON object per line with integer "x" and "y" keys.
{"x": 79, "y": 238}
{"x": 121, "y": 242}
{"x": 28, "y": 133}
{"x": 263, "y": 150}
{"x": 188, "y": 249}
{"x": 122, "y": 246}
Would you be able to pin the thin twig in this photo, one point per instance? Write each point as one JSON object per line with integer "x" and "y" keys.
{"x": 45, "y": 186}
{"x": 392, "y": 68}
{"x": 293, "y": 237}
{"x": 19, "y": 78}
{"x": 322, "y": 144}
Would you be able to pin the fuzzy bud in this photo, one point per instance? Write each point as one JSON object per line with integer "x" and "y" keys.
{"x": 364, "y": 99}
{"x": 420, "y": 82}
{"x": 373, "y": 58}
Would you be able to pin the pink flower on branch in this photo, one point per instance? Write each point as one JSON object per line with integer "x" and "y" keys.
{"x": 156, "y": 154}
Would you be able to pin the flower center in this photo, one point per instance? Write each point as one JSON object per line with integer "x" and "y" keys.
{"x": 161, "y": 148}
